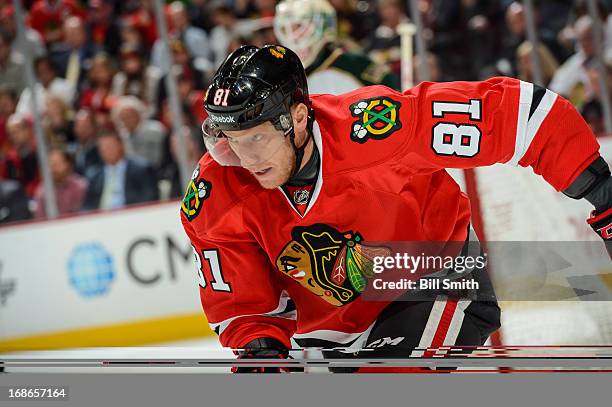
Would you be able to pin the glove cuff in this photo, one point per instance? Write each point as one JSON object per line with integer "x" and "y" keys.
{"x": 602, "y": 224}
{"x": 265, "y": 348}
{"x": 262, "y": 348}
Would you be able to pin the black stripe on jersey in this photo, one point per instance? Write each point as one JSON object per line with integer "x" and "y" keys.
{"x": 538, "y": 94}
{"x": 322, "y": 343}
{"x": 288, "y": 308}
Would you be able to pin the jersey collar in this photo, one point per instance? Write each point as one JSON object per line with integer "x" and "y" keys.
{"x": 314, "y": 192}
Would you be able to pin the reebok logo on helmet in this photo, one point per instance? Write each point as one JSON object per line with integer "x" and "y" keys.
{"x": 222, "y": 119}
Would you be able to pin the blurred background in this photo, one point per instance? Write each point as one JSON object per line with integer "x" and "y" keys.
{"x": 100, "y": 114}
{"x": 100, "y": 72}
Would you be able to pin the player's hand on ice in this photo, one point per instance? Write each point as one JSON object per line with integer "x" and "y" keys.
{"x": 263, "y": 348}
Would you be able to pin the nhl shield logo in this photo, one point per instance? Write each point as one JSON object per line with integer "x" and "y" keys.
{"x": 300, "y": 197}
{"x": 378, "y": 119}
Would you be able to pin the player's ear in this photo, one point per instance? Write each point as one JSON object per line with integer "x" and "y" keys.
{"x": 299, "y": 114}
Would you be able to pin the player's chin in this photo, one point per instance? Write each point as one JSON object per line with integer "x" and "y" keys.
{"x": 273, "y": 178}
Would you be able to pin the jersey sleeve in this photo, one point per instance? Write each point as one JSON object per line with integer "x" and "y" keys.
{"x": 240, "y": 295}
{"x": 501, "y": 120}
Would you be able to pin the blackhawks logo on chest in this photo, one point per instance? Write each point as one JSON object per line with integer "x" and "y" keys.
{"x": 332, "y": 265}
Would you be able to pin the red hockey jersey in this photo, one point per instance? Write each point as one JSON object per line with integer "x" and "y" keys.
{"x": 266, "y": 268}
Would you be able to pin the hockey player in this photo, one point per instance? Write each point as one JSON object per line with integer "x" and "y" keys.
{"x": 283, "y": 208}
{"x": 309, "y": 27}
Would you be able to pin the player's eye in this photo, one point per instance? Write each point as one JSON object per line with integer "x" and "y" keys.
{"x": 257, "y": 138}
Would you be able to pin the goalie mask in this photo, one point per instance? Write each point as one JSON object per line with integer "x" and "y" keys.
{"x": 254, "y": 86}
{"x": 305, "y": 26}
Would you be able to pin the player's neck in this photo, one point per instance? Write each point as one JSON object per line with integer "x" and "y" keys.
{"x": 309, "y": 166}
{"x": 308, "y": 150}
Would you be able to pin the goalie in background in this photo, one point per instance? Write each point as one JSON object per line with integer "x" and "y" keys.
{"x": 310, "y": 28}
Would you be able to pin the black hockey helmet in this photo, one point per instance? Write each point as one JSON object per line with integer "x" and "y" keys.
{"x": 255, "y": 85}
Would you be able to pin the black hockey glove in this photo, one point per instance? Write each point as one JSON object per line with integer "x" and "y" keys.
{"x": 602, "y": 225}
{"x": 595, "y": 185}
{"x": 263, "y": 348}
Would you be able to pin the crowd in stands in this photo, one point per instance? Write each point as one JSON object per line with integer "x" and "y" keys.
{"x": 104, "y": 106}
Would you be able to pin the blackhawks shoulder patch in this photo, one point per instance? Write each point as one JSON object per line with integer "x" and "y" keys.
{"x": 197, "y": 191}
{"x": 378, "y": 118}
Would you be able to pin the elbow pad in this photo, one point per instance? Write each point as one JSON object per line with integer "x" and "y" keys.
{"x": 594, "y": 176}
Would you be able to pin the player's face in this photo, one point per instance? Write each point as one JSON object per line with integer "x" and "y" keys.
{"x": 265, "y": 152}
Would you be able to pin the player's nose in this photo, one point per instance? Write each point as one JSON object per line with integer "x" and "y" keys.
{"x": 251, "y": 162}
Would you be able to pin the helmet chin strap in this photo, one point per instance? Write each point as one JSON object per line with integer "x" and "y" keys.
{"x": 297, "y": 175}
{"x": 306, "y": 175}
{"x": 299, "y": 151}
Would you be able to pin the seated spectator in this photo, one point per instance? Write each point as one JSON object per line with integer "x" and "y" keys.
{"x": 592, "y": 108}
{"x": 547, "y": 24}
{"x": 184, "y": 66}
{"x": 73, "y": 55}
{"x": 57, "y": 122}
{"x": 13, "y": 202}
{"x": 197, "y": 68}
{"x": 548, "y": 63}
{"x": 8, "y": 102}
{"x": 34, "y": 41}
{"x": 131, "y": 37}
{"x": 69, "y": 187}
{"x": 226, "y": 26}
{"x": 47, "y": 16}
{"x": 96, "y": 94}
{"x": 195, "y": 149}
{"x": 191, "y": 98}
{"x": 200, "y": 12}
{"x": 592, "y": 112}
{"x": 265, "y": 8}
{"x": 355, "y": 23}
{"x": 21, "y": 162}
{"x": 137, "y": 79}
{"x": 102, "y": 27}
{"x": 483, "y": 26}
{"x": 432, "y": 65}
{"x": 143, "y": 138}
{"x": 571, "y": 79}
{"x": 194, "y": 38}
{"x": 142, "y": 19}
{"x": 120, "y": 181}
{"x": 263, "y": 32}
{"x": 11, "y": 69}
{"x": 85, "y": 148}
{"x": 384, "y": 43}
{"x": 567, "y": 36}
{"x": 48, "y": 84}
